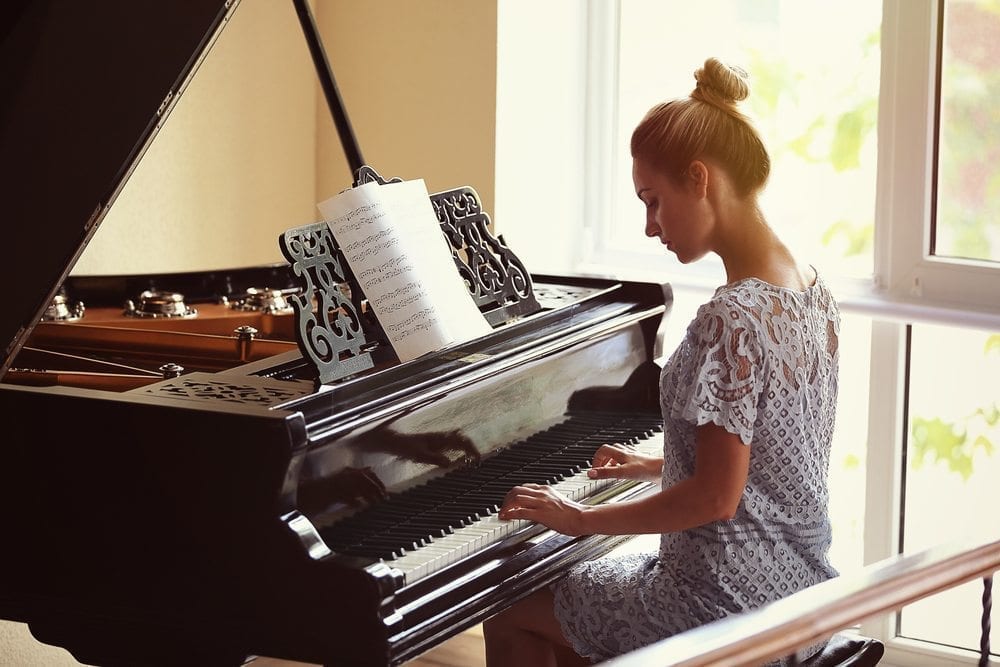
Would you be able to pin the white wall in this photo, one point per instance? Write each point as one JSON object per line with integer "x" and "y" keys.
{"x": 541, "y": 115}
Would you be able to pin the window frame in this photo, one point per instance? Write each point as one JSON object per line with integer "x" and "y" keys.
{"x": 909, "y": 98}
{"x": 912, "y": 285}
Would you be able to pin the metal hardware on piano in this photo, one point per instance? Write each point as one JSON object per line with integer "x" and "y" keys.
{"x": 226, "y": 503}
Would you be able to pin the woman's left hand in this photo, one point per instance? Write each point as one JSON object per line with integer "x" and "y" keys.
{"x": 545, "y": 505}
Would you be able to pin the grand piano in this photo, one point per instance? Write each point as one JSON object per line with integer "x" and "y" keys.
{"x": 184, "y": 481}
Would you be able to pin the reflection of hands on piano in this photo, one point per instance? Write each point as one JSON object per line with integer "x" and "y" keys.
{"x": 432, "y": 447}
{"x": 543, "y": 504}
{"x": 622, "y": 462}
{"x": 350, "y": 486}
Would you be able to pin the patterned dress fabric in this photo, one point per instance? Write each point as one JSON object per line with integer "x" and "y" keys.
{"x": 760, "y": 361}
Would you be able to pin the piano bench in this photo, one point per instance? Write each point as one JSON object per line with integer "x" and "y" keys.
{"x": 847, "y": 651}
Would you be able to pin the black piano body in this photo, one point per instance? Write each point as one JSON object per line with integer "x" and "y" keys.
{"x": 241, "y": 508}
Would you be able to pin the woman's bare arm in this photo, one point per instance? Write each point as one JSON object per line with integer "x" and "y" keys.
{"x": 713, "y": 493}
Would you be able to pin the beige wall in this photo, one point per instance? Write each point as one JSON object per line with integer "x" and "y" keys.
{"x": 250, "y": 147}
{"x": 18, "y": 647}
{"x": 419, "y": 83}
{"x": 233, "y": 165}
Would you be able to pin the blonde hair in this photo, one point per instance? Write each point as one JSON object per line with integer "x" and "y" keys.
{"x": 706, "y": 125}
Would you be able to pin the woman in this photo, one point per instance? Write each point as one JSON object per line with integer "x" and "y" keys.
{"x": 748, "y": 401}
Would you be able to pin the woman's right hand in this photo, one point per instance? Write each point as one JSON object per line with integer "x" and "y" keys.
{"x": 621, "y": 462}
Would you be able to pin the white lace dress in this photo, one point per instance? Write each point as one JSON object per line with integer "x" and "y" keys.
{"x": 760, "y": 361}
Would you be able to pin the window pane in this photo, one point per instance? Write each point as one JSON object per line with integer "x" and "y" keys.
{"x": 968, "y": 197}
{"x": 952, "y": 467}
{"x": 849, "y": 451}
{"x": 814, "y": 97}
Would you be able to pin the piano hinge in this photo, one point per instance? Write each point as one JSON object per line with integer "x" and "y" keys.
{"x": 165, "y": 103}
{"x": 92, "y": 220}
{"x": 12, "y": 347}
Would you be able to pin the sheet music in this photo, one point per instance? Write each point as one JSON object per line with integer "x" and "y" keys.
{"x": 393, "y": 243}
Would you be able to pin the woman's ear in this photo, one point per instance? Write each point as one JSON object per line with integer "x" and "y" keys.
{"x": 697, "y": 178}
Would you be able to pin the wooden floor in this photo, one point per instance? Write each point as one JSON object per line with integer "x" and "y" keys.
{"x": 462, "y": 650}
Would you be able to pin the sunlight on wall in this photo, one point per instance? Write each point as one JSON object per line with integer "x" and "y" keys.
{"x": 233, "y": 166}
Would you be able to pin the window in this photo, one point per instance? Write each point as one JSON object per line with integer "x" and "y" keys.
{"x": 952, "y": 457}
{"x": 933, "y": 202}
{"x": 884, "y": 177}
{"x": 814, "y": 98}
{"x": 968, "y": 202}
{"x": 884, "y": 138}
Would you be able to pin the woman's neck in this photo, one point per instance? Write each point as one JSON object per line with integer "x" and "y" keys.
{"x": 751, "y": 249}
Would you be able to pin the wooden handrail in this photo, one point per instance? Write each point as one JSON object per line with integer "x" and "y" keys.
{"x": 778, "y": 629}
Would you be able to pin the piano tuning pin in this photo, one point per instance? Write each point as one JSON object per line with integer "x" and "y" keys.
{"x": 154, "y": 303}
{"x": 60, "y": 310}
{"x": 170, "y": 370}
{"x": 263, "y": 299}
{"x": 245, "y": 332}
{"x": 244, "y": 338}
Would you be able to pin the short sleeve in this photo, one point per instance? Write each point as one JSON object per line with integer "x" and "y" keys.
{"x": 721, "y": 371}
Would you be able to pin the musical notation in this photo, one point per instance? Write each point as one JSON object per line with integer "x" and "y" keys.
{"x": 393, "y": 243}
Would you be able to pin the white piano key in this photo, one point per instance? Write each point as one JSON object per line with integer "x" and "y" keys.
{"x": 468, "y": 540}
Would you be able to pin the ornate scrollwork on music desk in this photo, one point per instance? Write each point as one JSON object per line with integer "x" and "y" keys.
{"x": 367, "y": 174}
{"x": 495, "y": 277}
{"x": 332, "y": 335}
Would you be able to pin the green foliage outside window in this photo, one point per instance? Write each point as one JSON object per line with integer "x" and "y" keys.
{"x": 968, "y": 213}
{"x": 955, "y": 444}
{"x": 836, "y": 137}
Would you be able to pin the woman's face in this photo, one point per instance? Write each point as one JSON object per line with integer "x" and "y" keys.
{"x": 675, "y": 213}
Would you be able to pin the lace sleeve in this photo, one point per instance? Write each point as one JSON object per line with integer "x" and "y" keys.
{"x": 721, "y": 373}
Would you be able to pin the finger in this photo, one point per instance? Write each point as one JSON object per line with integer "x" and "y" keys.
{"x": 606, "y": 453}
{"x": 602, "y": 472}
{"x": 515, "y": 512}
{"x": 523, "y": 491}
{"x": 515, "y": 500}
{"x": 524, "y": 497}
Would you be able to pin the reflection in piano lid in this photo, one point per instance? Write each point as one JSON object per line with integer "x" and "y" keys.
{"x": 213, "y": 498}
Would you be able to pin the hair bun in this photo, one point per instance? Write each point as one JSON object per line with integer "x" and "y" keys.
{"x": 720, "y": 84}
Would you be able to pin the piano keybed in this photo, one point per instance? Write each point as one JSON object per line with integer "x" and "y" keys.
{"x": 426, "y": 528}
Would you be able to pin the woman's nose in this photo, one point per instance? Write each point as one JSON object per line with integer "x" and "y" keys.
{"x": 652, "y": 229}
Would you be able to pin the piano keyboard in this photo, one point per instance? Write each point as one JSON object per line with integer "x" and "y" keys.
{"x": 426, "y": 528}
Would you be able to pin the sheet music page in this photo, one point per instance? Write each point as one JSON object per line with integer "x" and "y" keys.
{"x": 393, "y": 243}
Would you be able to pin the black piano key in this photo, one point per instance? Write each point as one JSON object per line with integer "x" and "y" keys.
{"x": 415, "y": 517}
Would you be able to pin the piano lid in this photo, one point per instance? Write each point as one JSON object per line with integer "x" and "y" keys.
{"x": 85, "y": 86}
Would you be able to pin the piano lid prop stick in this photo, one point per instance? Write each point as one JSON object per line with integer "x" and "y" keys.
{"x": 333, "y": 99}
